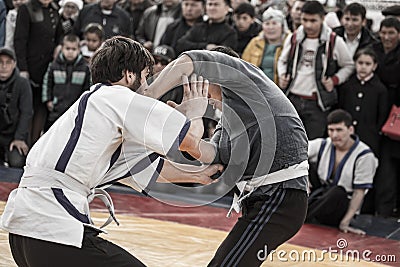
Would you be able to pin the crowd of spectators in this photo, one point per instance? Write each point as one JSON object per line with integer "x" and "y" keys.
{"x": 321, "y": 62}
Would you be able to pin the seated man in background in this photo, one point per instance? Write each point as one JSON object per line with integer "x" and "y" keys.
{"x": 345, "y": 168}
{"x": 15, "y": 111}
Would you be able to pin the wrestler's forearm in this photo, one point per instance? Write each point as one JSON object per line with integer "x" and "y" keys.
{"x": 193, "y": 144}
{"x": 173, "y": 172}
{"x": 170, "y": 77}
{"x": 354, "y": 205}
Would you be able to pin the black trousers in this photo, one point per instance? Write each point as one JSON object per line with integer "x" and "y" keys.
{"x": 313, "y": 118}
{"x": 328, "y": 205}
{"x": 95, "y": 251}
{"x": 266, "y": 223}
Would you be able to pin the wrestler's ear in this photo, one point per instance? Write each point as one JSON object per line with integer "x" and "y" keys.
{"x": 352, "y": 130}
{"x": 129, "y": 77}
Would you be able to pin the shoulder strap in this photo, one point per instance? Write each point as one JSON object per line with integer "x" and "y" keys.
{"x": 291, "y": 53}
{"x": 292, "y": 45}
{"x": 332, "y": 40}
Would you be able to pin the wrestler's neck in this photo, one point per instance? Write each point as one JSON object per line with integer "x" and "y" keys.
{"x": 346, "y": 146}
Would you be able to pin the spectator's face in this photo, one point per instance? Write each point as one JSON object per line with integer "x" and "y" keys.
{"x": 93, "y": 41}
{"x": 7, "y": 66}
{"x": 70, "y": 10}
{"x": 272, "y": 30}
{"x": 352, "y": 24}
{"x": 365, "y": 66}
{"x": 216, "y": 10}
{"x": 340, "y": 134}
{"x": 390, "y": 37}
{"x": 18, "y": 3}
{"x": 159, "y": 64}
{"x": 243, "y": 21}
{"x": 192, "y": 10}
{"x": 295, "y": 12}
{"x": 312, "y": 24}
{"x": 70, "y": 50}
{"x": 45, "y": 2}
{"x": 107, "y": 4}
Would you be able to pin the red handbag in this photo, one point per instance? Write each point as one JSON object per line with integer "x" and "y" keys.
{"x": 391, "y": 128}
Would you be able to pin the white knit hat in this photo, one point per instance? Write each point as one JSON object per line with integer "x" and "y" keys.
{"x": 78, "y": 3}
{"x": 275, "y": 15}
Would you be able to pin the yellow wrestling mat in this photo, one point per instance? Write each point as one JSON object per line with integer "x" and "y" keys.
{"x": 160, "y": 243}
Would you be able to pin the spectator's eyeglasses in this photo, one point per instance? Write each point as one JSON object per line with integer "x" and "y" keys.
{"x": 160, "y": 60}
{"x": 6, "y": 63}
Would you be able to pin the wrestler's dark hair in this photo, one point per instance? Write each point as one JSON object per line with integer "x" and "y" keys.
{"x": 117, "y": 55}
{"x": 339, "y": 116}
{"x": 226, "y": 50}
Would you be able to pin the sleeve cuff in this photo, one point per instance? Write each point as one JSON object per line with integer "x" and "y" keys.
{"x": 362, "y": 186}
{"x": 335, "y": 80}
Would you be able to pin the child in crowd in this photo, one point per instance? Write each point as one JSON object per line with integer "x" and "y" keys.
{"x": 67, "y": 77}
{"x": 365, "y": 98}
{"x": 69, "y": 11}
{"x": 94, "y": 37}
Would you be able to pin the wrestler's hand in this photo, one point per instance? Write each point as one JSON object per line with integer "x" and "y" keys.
{"x": 205, "y": 176}
{"x": 346, "y": 228}
{"x": 194, "y": 102}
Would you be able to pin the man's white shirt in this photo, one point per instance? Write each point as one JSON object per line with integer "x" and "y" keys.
{"x": 110, "y": 133}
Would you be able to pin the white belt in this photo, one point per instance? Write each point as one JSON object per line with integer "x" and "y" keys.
{"x": 106, "y": 198}
{"x": 42, "y": 177}
{"x": 294, "y": 171}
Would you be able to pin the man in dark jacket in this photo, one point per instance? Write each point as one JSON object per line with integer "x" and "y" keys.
{"x": 353, "y": 32}
{"x": 246, "y": 25}
{"x": 192, "y": 12}
{"x": 155, "y": 21}
{"x": 135, "y": 9}
{"x": 113, "y": 19}
{"x": 211, "y": 33}
{"x": 37, "y": 32}
{"x": 387, "y": 182}
{"x": 15, "y": 111}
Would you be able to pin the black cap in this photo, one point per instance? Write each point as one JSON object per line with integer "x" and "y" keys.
{"x": 8, "y": 52}
{"x": 391, "y": 11}
{"x": 165, "y": 52}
